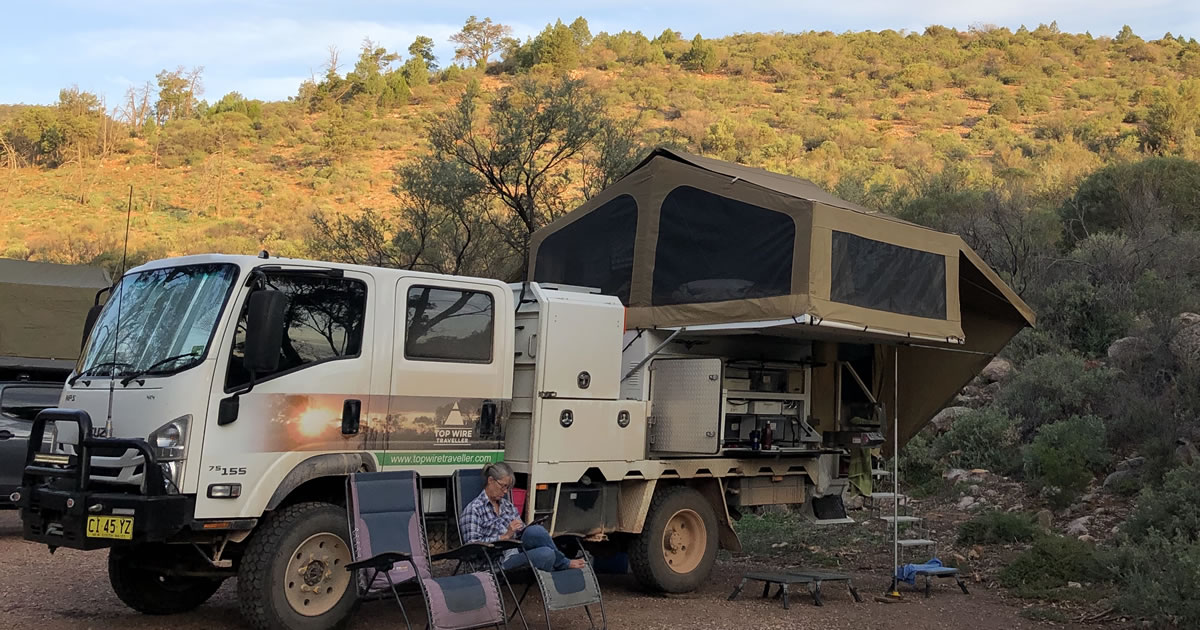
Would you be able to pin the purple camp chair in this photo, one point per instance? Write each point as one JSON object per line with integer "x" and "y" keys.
{"x": 387, "y": 540}
{"x": 561, "y": 590}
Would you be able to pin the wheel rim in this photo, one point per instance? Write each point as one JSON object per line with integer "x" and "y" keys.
{"x": 316, "y": 577}
{"x": 684, "y": 539}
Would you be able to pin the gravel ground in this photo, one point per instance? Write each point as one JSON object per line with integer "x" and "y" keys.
{"x": 69, "y": 590}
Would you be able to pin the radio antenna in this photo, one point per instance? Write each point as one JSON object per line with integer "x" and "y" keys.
{"x": 112, "y": 377}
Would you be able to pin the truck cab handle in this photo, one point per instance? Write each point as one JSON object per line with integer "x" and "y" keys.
{"x": 351, "y": 416}
{"x": 5, "y": 434}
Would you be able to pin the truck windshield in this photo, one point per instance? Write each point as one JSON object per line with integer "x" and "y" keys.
{"x": 167, "y": 319}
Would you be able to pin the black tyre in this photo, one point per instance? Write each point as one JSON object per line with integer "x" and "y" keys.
{"x": 140, "y": 583}
{"x": 678, "y": 545}
{"x": 293, "y": 573}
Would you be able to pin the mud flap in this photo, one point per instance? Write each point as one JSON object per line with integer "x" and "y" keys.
{"x": 714, "y": 491}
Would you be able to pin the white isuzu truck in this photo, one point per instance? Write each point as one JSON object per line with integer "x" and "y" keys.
{"x": 220, "y": 401}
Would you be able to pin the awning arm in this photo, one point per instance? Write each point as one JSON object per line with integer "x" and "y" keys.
{"x": 656, "y": 350}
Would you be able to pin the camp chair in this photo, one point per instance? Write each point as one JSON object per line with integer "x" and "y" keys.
{"x": 389, "y": 548}
{"x": 561, "y": 590}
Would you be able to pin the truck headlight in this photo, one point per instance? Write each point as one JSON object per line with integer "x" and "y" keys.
{"x": 170, "y": 440}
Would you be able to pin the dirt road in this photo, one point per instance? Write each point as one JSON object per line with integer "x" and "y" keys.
{"x": 69, "y": 590}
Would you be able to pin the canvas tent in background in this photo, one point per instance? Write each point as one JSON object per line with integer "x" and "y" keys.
{"x": 42, "y": 311}
{"x": 688, "y": 241}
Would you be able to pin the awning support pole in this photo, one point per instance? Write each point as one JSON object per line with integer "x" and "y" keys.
{"x": 650, "y": 355}
{"x": 895, "y": 468}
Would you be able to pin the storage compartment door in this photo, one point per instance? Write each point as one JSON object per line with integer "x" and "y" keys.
{"x": 685, "y": 406}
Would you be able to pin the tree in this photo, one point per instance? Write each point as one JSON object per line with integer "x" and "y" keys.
{"x": 178, "y": 91}
{"x": 422, "y": 48}
{"x": 534, "y": 130}
{"x": 702, "y": 57}
{"x": 478, "y": 39}
{"x": 556, "y": 45}
{"x": 442, "y": 226}
{"x": 582, "y": 34}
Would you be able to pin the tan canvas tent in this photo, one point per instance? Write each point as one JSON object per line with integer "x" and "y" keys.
{"x": 42, "y": 310}
{"x": 688, "y": 241}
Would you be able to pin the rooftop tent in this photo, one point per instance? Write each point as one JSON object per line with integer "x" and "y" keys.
{"x": 43, "y": 307}
{"x": 690, "y": 241}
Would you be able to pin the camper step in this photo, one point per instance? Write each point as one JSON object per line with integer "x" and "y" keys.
{"x": 879, "y": 472}
{"x": 915, "y": 542}
{"x": 901, "y": 519}
{"x": 887, "y": 495}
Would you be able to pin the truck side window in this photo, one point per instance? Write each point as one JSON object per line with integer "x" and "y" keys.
{"x": 449, "y": 325}
{"x": 24, "y": 403}
{"x": 324, "y": 322}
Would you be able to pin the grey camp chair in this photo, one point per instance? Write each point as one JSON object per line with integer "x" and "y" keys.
{"x": 561, "y": 590}
{"x": 387, "y": 540}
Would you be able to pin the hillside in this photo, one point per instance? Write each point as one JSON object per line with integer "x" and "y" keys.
{"x": 876, "y": 117}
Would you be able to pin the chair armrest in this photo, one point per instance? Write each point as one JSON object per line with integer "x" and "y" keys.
{"x": 505, "y": 545}
{"x": 381, "y": 562}
{"x": 468, "y": 551}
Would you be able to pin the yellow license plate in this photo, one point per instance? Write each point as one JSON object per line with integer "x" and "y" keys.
{"x": 118, "y": 527}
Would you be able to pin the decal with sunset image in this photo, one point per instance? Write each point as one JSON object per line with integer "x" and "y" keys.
{"x": 313, "y": 422}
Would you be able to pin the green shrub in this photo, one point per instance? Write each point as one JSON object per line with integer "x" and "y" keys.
{"x": 985, "y": 438}
{"x": 1159, "y": 578}
{"x": 920, "y": 471}
{"x": 994, "y": 527}
{"x": 1051, "y": 387}
{"x": 1173, "y": 509}
{"x": 1051, "y": 562}
{"x": 1065, "y": 456}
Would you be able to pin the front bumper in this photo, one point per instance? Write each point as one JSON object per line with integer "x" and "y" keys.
{"x": 57, "y": 496}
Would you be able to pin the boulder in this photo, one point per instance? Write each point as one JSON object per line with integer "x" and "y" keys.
{"x": 1185, "y": 347}
{"x": 966, "y": 502}
{"x": 1074, "y": 585}
{"x": 1118, "y": 477}
{"x": 1127, "y": 351}
{"x": 1186, "y": 452}
{"x": 853, "y": 501}
{"x": 1079, "y": 526}
{"x": 998, "y": 370}
{"x": 1087, "y": 538}
{"x": 1187, "y": 320}
{"x": 946, "y": 417}
{"x": 1045, "y": 519}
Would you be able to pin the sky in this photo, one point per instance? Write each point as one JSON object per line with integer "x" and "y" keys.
{"x": 265, "y": 48}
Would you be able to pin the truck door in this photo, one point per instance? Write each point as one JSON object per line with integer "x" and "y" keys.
{"x": 451, "y": 375}
{"x": 295, "y": 412}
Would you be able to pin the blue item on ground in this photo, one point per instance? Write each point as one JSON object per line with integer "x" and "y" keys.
{"x": 908, "y": 573}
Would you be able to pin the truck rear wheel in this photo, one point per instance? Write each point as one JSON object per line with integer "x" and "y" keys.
{"x": 293, "y": 574}
{"x": 136, "y": 582}
{"x": 678, "y": 544}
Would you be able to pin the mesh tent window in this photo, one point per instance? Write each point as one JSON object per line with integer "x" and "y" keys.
{"x": 594, "y": 251}
{"x": 885, "y": 277}
{"x": 712, "y": 248}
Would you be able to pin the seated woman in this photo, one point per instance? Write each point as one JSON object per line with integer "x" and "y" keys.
{"x": 491, "y": 516}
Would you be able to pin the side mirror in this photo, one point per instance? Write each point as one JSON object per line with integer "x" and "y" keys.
{"x": 264, "y": 330}
{"x": 227, "y": 411}
{"x": 89, "y": 323}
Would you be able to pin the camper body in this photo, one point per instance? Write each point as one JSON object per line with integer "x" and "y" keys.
{"x": 221, "y": 401}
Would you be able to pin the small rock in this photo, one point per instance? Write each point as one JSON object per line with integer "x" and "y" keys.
{"x": 946, "y": 417}
{"x": 1079, "y": 526}
{"x": 1087, "y": 538}
{"x": 974, "y": 553}
{"x": 974, "y": 507}
{"x": 974, "y": 490}
{"x": 1045, "y": 519}
{"x": 1074, "y": 585}
{"x": 1088, "y": 498}
{"x": 1187, "y": 320}
{"x": 990, "y": 493}
{"x": 1132, "y": 462}
{"x": 1115, "y": 530}
{"x": 966, "y": 502}
{"x": 997, "y": 370}
{"x": 853, "y": 502}
{"x": 954, "y": 474}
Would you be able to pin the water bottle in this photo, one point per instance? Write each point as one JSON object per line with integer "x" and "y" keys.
{"x": 754, "y": 444}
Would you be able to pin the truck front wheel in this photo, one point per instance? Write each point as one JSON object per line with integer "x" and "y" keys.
{"x": 143, "y": 587}
{"x": 293, "y": 574}
{"x": 678, "y": 544}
